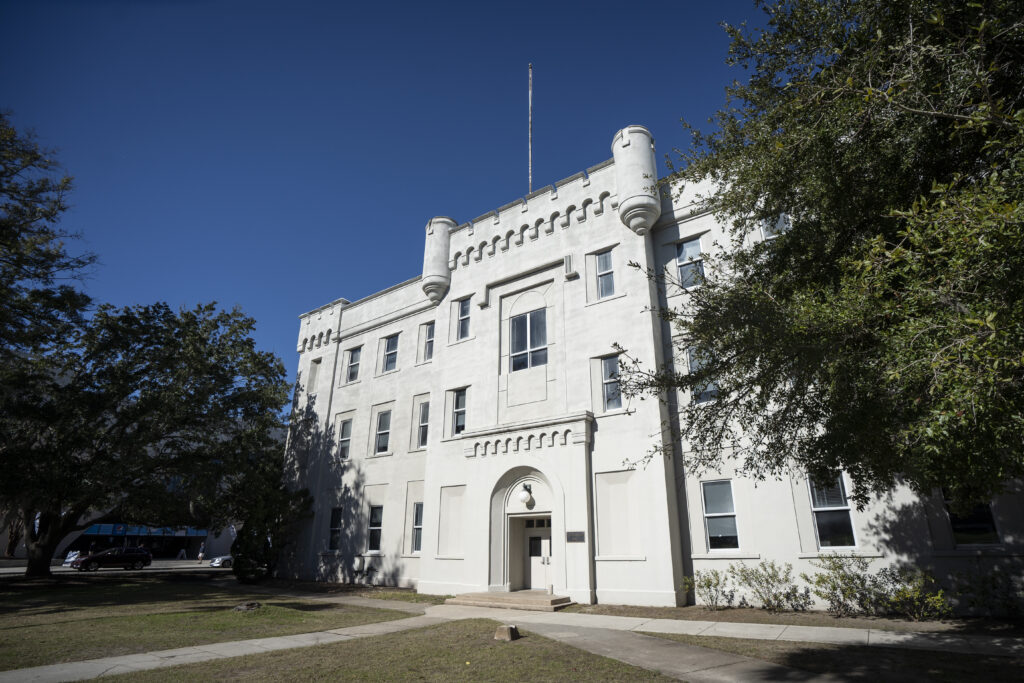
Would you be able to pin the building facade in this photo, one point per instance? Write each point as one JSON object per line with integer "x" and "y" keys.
{"x": 471, "y": 436}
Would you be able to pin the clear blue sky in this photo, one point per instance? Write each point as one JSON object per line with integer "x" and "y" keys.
{"x": 279, "y": 155}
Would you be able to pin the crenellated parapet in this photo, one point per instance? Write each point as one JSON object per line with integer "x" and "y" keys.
{"x": 533, "y": 437}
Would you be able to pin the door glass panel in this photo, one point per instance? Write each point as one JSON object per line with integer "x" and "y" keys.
{"x": 535, "y": 546}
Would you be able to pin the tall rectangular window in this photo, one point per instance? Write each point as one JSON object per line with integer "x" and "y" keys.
{"x": 605, "y": 276}
{"x": 314, "y": 376}
{"x": 376, "y": 523}
{"x": 383, "y": 431}
{"x": 428, "y": 341}
{"x": 976, "y": 526}
{"x": 417, "y": 527}
{"x": 421, "y": 438}
{"x": 344, "y": 438}
{"x": 352, "y": 373}
{"x": 458, "y": 411}
{"x": 463, "y": 324}
{"x": 529, "y": 340}
{"x": 690, "y": 266}
{"x": 697, "y": 362}
{"x": 334, "y": 538}
{"x": 610, "y": 383}
{"x": 390, "y": 352}
{"x": 831, "y": 510}
{"x": 719, "y": 515}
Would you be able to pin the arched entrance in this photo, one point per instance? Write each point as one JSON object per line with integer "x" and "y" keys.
{"x": 523, "y": 556}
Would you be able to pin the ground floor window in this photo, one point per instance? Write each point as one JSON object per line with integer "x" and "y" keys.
{"x": 720, "y": 515}
{"x": 975, "y": 526}
{"x": 831, "y": 510}
{"x": 376, "y": 522}
{"x": 334, "y": 540}
{"x": 417, "y": 527}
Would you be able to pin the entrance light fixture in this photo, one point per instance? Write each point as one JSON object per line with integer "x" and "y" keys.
{"x": 526, "y": 494}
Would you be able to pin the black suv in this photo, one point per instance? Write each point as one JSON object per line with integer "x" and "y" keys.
{"x": 129, "y": 558}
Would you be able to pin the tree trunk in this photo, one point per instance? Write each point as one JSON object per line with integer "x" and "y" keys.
{"x": 14, "y": 533}
{"x": 39, "y": 556}
{"x": 42, "y": 536}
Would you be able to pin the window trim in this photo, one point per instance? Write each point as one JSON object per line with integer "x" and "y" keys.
{"x": 849, "y": 512}
{"x": 946, "y": 502}
{"x": 698, "y": 261}
{"x": 370, "y": 528}
{"x": 377, "y": 450}
{"x": 530, "y": 349}
{"x": 602, "y": 273}
{"x": 423, "y": 425}
{"x": 356, "y": 351}
{"x": 607, "y": 380}
{"x": 428, "y": 341}
{"x": 704, "y": 509}
{"x": 460, "y": 318}
{"x": 347, "y": 445}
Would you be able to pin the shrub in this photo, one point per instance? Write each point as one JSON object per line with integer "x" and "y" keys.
{"x": 910, "y": 593}
{"x": 771, "y": 585}
{"x": 844, "y": 584}
{"x": 711, "y": 587}
{"x": 990, "y": 593}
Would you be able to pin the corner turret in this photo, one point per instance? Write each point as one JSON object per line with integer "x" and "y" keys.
{"x": 636, "y": 174}
{"x": 436, "y": 274}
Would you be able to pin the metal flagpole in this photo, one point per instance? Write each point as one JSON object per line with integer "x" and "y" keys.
{"x": 530, "y": 186}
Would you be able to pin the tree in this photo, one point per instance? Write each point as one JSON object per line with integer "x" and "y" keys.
{"x": 883, "y": 333}
{"x": 148, "y": 415}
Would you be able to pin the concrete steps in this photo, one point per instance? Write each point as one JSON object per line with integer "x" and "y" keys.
{"x": 538, "y": 601}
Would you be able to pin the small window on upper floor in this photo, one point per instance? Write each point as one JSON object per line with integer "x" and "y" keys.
{"x": 770, "y": 229}
{"x": 458, "y": 411}
{"x": 462, "y": 327}
{"x": 428, "y": 341}
{"x": 529, "y": 340}
{"x": 344, "y": 438}
{"x": 352, "y": 367}
{"x": 383, "y": 435}
{"x": 314, "y": 376}
{"x": 605, "y": 274}
{"x": 689, "y": 264}
{"x": 390, "y": 353}
{"x": 612, "y": 395}
{"x": 697, "y": 360}
{"x": 424, "y": 424}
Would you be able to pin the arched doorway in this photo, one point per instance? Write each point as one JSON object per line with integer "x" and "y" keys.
{"x": 523, "y": 554}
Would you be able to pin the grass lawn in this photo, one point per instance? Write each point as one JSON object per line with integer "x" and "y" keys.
{"x": 109, "y": 614}
{"x": 378, "y": 592}
{"x": 859, "y": 663}
{"x": 809, "y": 618}
{"x": 454, "y": 651}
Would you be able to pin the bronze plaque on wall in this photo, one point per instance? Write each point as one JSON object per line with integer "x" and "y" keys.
{"x": 575, "y": 536}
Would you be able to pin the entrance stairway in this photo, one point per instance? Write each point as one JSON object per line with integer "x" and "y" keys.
{"x": 531, "y": 600}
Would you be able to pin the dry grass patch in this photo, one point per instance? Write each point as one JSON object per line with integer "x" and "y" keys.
{"x": 454, "y": 651}
{"x": 361, "y": 590}
{"x": 809, "y": 618}
{"x": 860, "y": 663}
{"x": 93, "y": 616}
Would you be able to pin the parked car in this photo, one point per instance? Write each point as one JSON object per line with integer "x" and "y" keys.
{"x": 129, "y": 558}
{"x": 222, "y": 561}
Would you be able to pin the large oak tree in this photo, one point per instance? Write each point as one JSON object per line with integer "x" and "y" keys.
{"x": 883, "y": 333}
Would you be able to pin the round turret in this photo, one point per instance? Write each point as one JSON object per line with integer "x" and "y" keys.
{"x": 636, "y": 174}
{"x": 436, "y": 274}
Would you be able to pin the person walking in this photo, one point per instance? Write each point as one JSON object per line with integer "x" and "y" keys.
{"x": 202, "y": 551}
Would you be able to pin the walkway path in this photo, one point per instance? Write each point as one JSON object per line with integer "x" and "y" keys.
{"x": 616, "y": 637}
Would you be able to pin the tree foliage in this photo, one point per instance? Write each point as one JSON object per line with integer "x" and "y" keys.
{"x": 883, "y": 333}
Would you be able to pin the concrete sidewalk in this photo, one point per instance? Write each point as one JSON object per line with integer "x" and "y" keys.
{"x": 620, "y": 638}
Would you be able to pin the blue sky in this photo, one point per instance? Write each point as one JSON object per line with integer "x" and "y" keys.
{"x": 280, "y": 155}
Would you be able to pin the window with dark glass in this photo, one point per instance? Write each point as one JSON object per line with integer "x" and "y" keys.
{"x": 353, "y": 364}
{"x": 605, "y": 275}
{"x": 383, "y": 431}
{"x": 391, "y": 352}
{"x": 463, "y": 323}
{"x": 417, "y": 527}
{"x": 344, "y": 438}
{"x": 831, "y": 510}
{"x": 428, "y": 342}
{"x": 610, "y": 383}
{"x": 376, "y": 522}
{"x": 975, "y": 526}
{"x": 334, "y": 540}
{"x": 529, "y": 340}
{"x": 421, "y": 440}
{"x": 459, "y": 411}
{"x": 720, "y": 515}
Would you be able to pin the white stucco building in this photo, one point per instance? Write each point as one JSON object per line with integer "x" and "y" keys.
{"x": 475, "y": 439}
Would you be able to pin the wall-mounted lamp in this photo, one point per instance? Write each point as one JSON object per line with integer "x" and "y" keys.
{"x": 526, "y": 494}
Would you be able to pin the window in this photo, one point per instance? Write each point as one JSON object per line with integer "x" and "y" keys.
{"x": 458, "y": 411}
{"x": 832, "y": 514}
{"x": 352, "y": 373}
{"x": 428, "y": 341}
{"x": 314, "y": 375}
{"x": 390, "y": 352}
{"x": 610, "y": 383}
{"x": 529, "y": 340}
{"x": 770, "y": 229}
{"x": 334, "y": 538}
{"x": 417, "y": 527}
{"x": 383, "y": 431}
{"x": 421, "y": 437}
{"x": 605, "y": 276}
{"x": 976, "y": 526}
{"x": 719, "y": 515}
{"x": 463, "y": 325}
{"x": 344, "y": 438}
{"x": 697, "y": 362}
{"x": 376, "y": 522}
{"x": 689, "y": 264}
